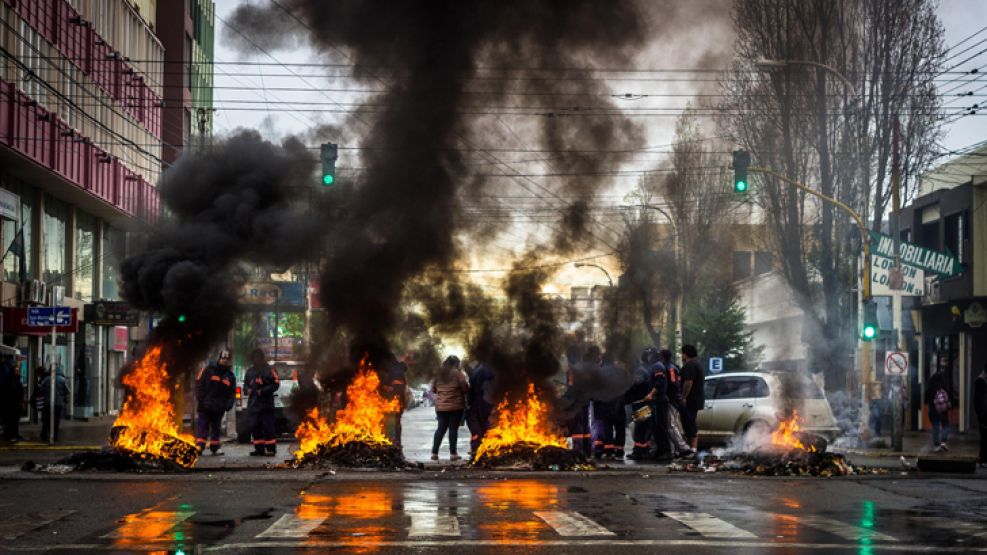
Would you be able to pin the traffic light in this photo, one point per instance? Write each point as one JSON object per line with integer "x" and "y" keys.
{"x": 870, "y": 329}
{"x": 182, "y": 318}
{"x": 741, "y": 161}
{"x": 329, "y": 153}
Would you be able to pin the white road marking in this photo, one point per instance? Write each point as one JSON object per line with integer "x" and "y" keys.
{"x": 432, "y": 524}
{"x": 149, "y": 525}
{"x": 976, "y": 529}
{"x": 571, "y": 523}
{"x": 527, "y": 543}
{"x": 291, "y": 526}
{"x": 842, "y": 529}
{"x": 15, "y": 527}
{"x": 709, "y": 526}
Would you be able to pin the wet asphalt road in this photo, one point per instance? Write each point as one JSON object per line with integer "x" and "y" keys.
{"x": 280, "y": 512}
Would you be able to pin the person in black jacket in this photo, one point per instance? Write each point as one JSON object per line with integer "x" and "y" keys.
{"x": 980, "y": 406}
{"x": 638, "y": 398}
{"x": 215, "y": 391}
{"x": 479, "y": 406}
{"x": 261, "y": 383}
{"x": 938, "y": 397}
{"x": 11, "y": 399}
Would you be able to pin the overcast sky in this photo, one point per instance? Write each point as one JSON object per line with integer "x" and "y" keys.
{"x": 255, "y": 96}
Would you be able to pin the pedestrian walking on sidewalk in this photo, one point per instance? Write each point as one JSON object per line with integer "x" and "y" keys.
{"x": 215, "y": 392}
{"x": 939, "y": 400}
{"x": 980, "y": 406}
{"x": 262, "y": 382}
{"x": 450, "y": 387}
{"x": 61, "y": 397}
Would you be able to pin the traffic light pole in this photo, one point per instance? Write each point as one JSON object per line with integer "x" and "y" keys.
{"x": 864, "y": 293}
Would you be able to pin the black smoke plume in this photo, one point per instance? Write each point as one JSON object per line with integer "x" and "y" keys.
{"x": 435, "y": 60}
{"x": 230, "y": 203}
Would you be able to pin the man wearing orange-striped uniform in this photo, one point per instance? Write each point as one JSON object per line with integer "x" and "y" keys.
{"x": 261, "y": 382}
{"x": 215, "y": 391}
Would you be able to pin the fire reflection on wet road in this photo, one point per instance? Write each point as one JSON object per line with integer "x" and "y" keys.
{"x": 565, "y": 514}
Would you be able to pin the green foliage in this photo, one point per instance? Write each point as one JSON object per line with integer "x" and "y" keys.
{"x": 713, "y": 321}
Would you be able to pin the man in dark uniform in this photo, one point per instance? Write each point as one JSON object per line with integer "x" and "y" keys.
{"x": 480, "y": 407}
{"x": 261, "y": 382}
{"x": 659, "y": 400}
{"x": 637, "y": 397}
{"x": 396, "y": 387}
{"x": 215, "y": 391}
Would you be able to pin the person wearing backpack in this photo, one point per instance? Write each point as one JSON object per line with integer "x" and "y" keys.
{"x": 939, "y": 401}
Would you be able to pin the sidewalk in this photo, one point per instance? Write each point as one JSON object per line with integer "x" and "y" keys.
{"x": 916, "y": 444}
{"x": 72, "y": 434}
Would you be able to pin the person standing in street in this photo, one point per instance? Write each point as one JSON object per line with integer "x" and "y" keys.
{"x": 637, "y": 398}
{"x": 261, "y": 382}
{"x": 678, "y": 445}
{"x": 450, "y": 387}
{"x": 396, "y": 387}
{"x": 939, "y": 400}
{"x": 11, "y": 400}
{"x": 662, "y": 449}
{"x": 480, "y": 405}
{"x": 980, "y": 406}
{"x": 61, "y": 397}
{"x": 215, "y": 393}
{"x": 693, "y": 395}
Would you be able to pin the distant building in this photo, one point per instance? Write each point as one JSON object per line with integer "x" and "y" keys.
{"x": 186, "y": 29}
{"x": 80, "y": 154}
{"x": 951, "y": 215}
{"x": 586, "y": 306}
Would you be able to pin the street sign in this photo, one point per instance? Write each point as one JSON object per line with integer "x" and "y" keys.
{"x": 46, "y": 316}
{"x": 715, "y": 365}
{"x": 881, "y": 270}
{"x": 942, "y": 263}
{"x": 111, "y": 313}
{"x": 896, "y": 364}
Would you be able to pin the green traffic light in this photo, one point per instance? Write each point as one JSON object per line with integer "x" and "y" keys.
{"x": 740, "y": 186}
{"x": 181, "y": 318}
{"x": 328, "y": 179}
{"x": 870, "y": 332}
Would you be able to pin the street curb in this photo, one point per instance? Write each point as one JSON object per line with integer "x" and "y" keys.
{"x": 43, "y": 447}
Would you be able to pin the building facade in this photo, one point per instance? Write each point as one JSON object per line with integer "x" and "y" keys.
{"x": 951, "y": 319}
{"x": 80, "y": 154}
{"x": 187, "y": 31}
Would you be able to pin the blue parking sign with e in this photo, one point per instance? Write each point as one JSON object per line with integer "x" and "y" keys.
{"x": 715, "y": 365}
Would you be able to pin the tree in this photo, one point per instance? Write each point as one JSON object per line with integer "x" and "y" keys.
{"x": 804, "y": 122}
{"x": 714, "y": 320}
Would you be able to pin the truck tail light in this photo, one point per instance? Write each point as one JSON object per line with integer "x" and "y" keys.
{"x": 239, "y": 397}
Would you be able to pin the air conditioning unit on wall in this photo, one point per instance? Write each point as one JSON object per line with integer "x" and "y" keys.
{"x": 33, "y": 292}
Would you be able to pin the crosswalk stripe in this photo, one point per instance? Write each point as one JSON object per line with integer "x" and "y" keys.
{"x": 571, "y": 523}
{"x": 842, "y": 529}
{"x": 709, "y": 526}
{"x": 975, "y": 529}
{"x": 15, "y": 527}
{"x": 430, "y": 524}
{"x": 291, "y": 526}
{"x": 149, "y": 525}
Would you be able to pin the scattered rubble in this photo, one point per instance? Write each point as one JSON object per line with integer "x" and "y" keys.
{"x": 108, "y": 459}
{"x": 532, "y": 456}
{"x": 779, "y": 462}
{"x": 355, "y": 454}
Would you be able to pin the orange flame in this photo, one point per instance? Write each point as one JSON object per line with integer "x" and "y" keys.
{"x": 785, "y": 434}
{"x": 527, "y": 421}
{"x": 361, "y": 420}
{"x": 148, "y": 412}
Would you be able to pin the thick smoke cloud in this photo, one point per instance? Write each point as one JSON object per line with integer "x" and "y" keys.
{"x": 227, "y": 204}
{"x": 404, "y": 216}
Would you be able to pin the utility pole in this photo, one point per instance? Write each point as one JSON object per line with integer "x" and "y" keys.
{"x": 897, "y": 386}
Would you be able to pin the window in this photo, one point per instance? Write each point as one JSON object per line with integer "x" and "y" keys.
{"x": 114, "y": 250}
{"x": 763, "y": 262}
{"x": 709, "y": 389}
{"x": 85, "y": 256}
{"x": 11, "y": 264}
{"x": 741, "y": 265}
{"x": 741, "y": 388}
{"x": 955, "y": 234}
{"x": 53, "y": 258}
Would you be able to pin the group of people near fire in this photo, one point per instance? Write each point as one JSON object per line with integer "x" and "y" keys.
{"x": 663, "y": 398}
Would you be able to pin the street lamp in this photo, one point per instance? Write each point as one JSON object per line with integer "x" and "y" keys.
{"x": 601, "y": 268}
